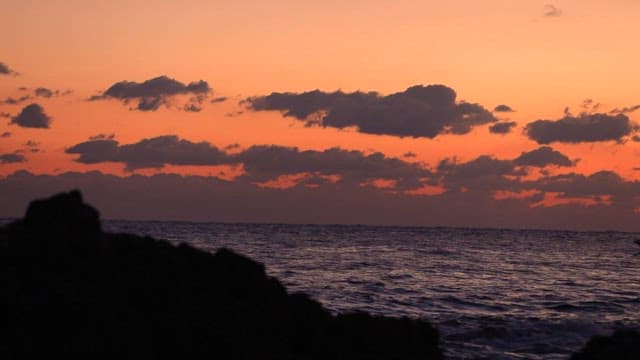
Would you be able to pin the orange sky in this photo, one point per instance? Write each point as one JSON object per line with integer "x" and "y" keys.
{"x": 491, "y": 52}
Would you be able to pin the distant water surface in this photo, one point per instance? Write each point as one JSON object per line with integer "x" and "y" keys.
{"x": 495, "y": 294}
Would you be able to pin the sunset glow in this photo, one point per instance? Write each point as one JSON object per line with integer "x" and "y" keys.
{"x": 232, "y": 83}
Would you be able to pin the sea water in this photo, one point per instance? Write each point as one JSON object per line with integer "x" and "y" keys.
{"x": 495, "y": 294}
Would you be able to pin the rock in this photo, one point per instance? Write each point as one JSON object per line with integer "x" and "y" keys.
{"x": 63, "y": 214}
{"x": 72, "y": 291}
{"x": 622, "y": 345}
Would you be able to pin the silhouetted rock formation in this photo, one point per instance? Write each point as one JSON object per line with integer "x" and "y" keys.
{"x": 622, "y": 345}
{"x": 71, "y": 291}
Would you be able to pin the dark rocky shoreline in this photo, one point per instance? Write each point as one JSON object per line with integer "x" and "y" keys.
{"x": 72, "y": 290}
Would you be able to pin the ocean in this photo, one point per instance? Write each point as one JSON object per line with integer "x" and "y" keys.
{"x": 493, "y": 294}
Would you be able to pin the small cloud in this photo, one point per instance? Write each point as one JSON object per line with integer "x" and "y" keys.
{"x": 551, "y": 10}
{"x": 503, "y": 108}
{"x": 12, "y": 158}
{"x": 149, "y": 153}
{"x": 581, "y": 129}
{"x": 32, "y": 116}
{"x": 5, "y": 115}
{"x": 15, "y": 101}
{"x": 31, "y": 143}
{"x": 234, "y": 113}
{"x": 5, "y": 70}
{"x": 232, "y": 146}
{"x": 153, "y": 93}
{"x": 219, "y": 99}
{"x": 502, "y": 128}
{"x": 44, "y": 92}
{"x": 635, "y": 138}
{"x": 5, "y": 134}
{"x": 589, "y": 107}
{"x": 544, "y": 156}
{"x": 625, "y": 110}
{"x": 409, "y": 154}
{"x": 102, "y": 137}
{"x": 192, "y": 108}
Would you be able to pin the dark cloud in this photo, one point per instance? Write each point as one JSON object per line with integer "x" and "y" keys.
{"x": 40, "y": 92}
{"x": 337, "y": 176}
{"x": 150, "y": 104}
{"x": 260, "y": 162}
{"x": 502, "y": 127}
{"x": 267, "y": 162}
{"x": 5, "y": 70}
{"x": 596, "y": 185}
{"x": 153, "y": 93}
{"x": 625, "y": 110}
{"x": 219, "y": 99}
{"x": 602, "y": 194}
{"x": 543, "y": 156}
{"x": 149, "y": 153}
{"x": 5, "y": 134}
{"x": 198, "y": 198}
{"x": 409, "y": 154}
{"x": 32, "y": 146}
{"x": 44, "y": 92}
{"x": 588, "y": 106}
{"x": 15, "y": 101}
{"x": 581, "y": 128}
{"x": 551, "y": 10}
{"x": 488, "y": 173}
{"x": 635, "y": 138}
{"x": 419, "y": 111}
{"x": 192, "y": 108}
{"x": 5, "y": 115}
{"x": 32, "y": 116}
{"x": 234, "y": 113}
{"x": 264, "y": 163}
{"x": 232, "y": 146}
{"x": 484, "y": 171}
{"x": 102, "y": 137}
{"x": 157, "y": 87}
{"x": 503, "y": 108}
{"x": 12, "y": 158}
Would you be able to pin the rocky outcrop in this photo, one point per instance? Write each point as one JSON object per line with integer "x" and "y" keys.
{"x": 70, "y": 290}
{"x": 622, "y": 345}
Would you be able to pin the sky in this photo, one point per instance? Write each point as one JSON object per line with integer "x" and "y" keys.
{"x": 495, "y": 113}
